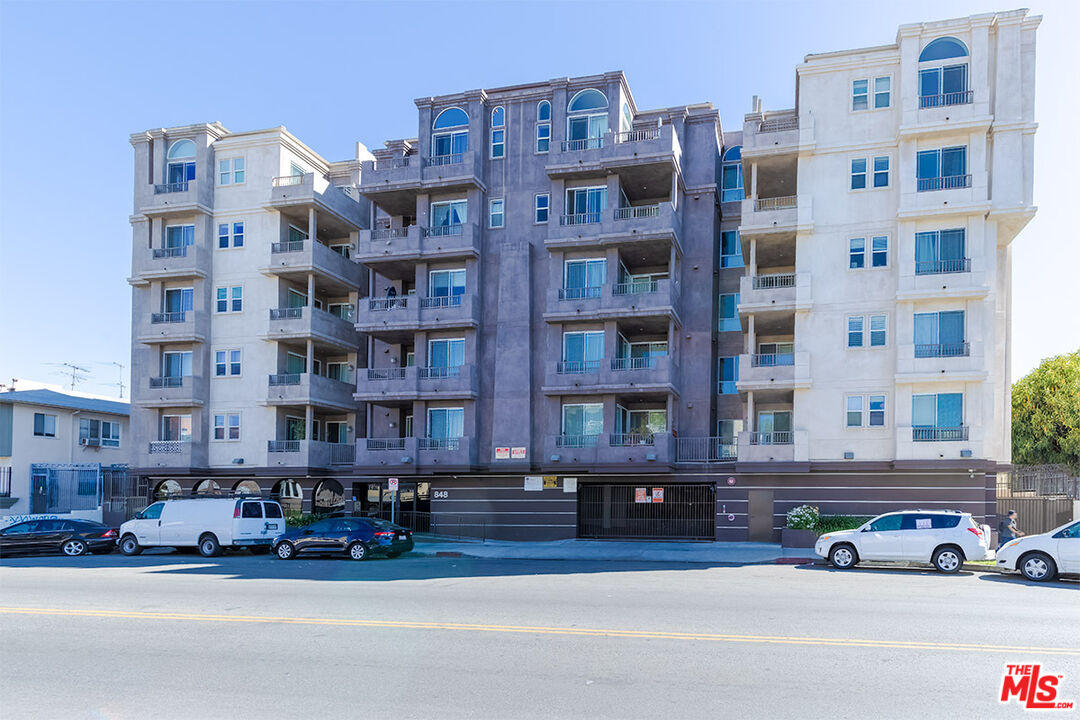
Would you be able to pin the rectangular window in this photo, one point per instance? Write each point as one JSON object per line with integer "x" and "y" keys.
{"x": 223, "y": 236}
{"x": 449, "y": 214}
{"x": 581, "y": 420}
{"x": 450, "y": 143}
{"x": 881, "y": 171}
{"x": 943, "y": 410}
{"x": 857, "y": 253}
{"x": 498, "y": 143}
{"x": 877, "y": 331}
{"x": 877, "y": 411}
{"x": 940, "y": 251}
{"x": 110, "y": 433}
{"x": 227, "y": 426}
{"x": 229, "y": 299}
{"x": 860, "y": 94}
{"x": 855, "y": 331}
{"x": 940, "y": 334}
{"x": 858, "y": 174}
{"x": 586, "y": 205}
{"x": 943, "y": 86}
{"x": 176, "y": 427}
{"x": 44, "y": 425}
{"x": 941, "y": 169}
{"x": 583, "y": 278}
{"x": 879, "y": 251}
{"x": 541, "y": 205}
{"x": 231, "y": 171}
{"x": 176, "y": 364}
{"x": 178, "y": 236}
{"x": 543, "y": 137}
{"x": 582, "y": 351}
{"x": 854, "y": 411}
{"x": 238, "y": 234}
{"x": 730, "y": 249}
{"x": 236, "y": 237}
{"x": 729, "y": 312}
{"x": 728, "y": 374}
{"x": 446, "y": 353}
{"x": 227, "y": 363}
{"x": 446, "y": 283}
{"x": 89, "y": 431}
{"x": 446, "y": 423}
{"x": 855, "y": 416}
{"x": 495, "y": 213}
{"x": 882, "y": 85}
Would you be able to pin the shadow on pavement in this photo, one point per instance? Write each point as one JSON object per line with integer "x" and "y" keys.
{"x": 1017, "y": 579}
{"x": 882, "y": 570}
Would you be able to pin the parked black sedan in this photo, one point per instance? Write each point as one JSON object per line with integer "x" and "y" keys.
{"x": 68, "y": 536}
{"x": 357, "y": 538}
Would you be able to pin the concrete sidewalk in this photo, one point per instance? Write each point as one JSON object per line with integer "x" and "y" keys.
{"x": 734, "y": 553}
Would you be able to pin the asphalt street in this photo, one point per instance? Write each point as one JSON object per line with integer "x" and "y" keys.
{"x": 179, "y": 636}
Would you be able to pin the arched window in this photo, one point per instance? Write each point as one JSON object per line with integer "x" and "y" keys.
{"x": 181, "y": 164}
{"x": 247, "y": 487}
{"x": 498, "y": 132}
{"x": 944, "y": 83}
{"x": 942, "y": 49}
{"x": 732, "y": 180}
{"x": 587, "y": 120}
{"x": 289, "y": 495}
{"x": 328, "y": 497}
{"x": 167, "y": 489}
{"x": 207, "y": 487}
{"x": 452, "y": 136}
{"x": 543, "y": 126}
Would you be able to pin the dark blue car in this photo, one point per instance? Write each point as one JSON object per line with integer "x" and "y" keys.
{"x": 357, "y": 538}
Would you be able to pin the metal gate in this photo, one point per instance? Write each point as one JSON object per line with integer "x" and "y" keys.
{"x": 1042, "y": 497}
{"x": 639, "y": 512}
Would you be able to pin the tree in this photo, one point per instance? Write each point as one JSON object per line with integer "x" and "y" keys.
{"x": 1046, "y": 414}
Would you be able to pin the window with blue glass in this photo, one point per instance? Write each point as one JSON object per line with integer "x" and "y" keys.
{"x": 730, "y": 249}
{"x": 450, "y": 134}
{"x": 945, "y": 85}
{"x": 940, "y": 251}
{"x": 543, "y": 126}
{"x": 858, "y": 174}
{"x": 447, "y": 284}
{"x": 181, "y": 162}
{"x": 446, "y": 423}
{"x": 586, "y": 204}
{"x": 855, "y": 331}
{"x": 230, "y": 235}
{"x": 449, "y": 214}
{"x": 498, "y": 133}
{"x": 942, "y": 169}
{"x": 583, "y": 278}
{"x": 582, "y": 351}
{"x": 587, "y": 120}
{"x": 446, "y": 352}
{"x": 943, "y": 48}
{"x": 881, "y": 171}
{"x": 731, "y": 175}
{"x": 940, "y": 334}
{"x": 179, "y": 236}
{"x": 857, "y": 253}
{"x": 728, "y": 375}
{"x": 729, "y": 312}
{"x": 940, "y": 412}
{"x": 879, "y": 251}
{"x": 541, "y": 205}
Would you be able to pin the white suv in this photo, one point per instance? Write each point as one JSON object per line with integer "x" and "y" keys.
{"x": 943, "y": 538}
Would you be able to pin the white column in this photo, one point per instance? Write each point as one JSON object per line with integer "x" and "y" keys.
{"x": 311, "y": 290}
{"x": 750, "y": 424}
{"x": 750, "y": 341}
{"x": 312, "y": 225}
{"x": 753, "y": 257}
{"x": 753, "y": 181}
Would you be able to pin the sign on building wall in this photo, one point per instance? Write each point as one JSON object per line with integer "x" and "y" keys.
{"x": 551, "y": 482}
{"x": 569, "y": 484}
{"x": 641, "y": 495}
{"x": 502, "y": 453}
{"x": 518, "y": 453}
{"x": 534, "y": 483}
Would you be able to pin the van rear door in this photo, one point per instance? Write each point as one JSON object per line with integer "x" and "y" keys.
{"x": 275, "y": 519}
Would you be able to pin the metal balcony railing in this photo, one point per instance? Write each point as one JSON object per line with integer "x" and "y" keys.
{"x": 777, "y": 437}
{"x": 772, "y": 359}
{"x": 393, "y": 373}
{"x": 166, "y": 382}
{"x": 637, "y": 135}
{"x": 705, "y": 450}
{"x": 942, "y": 350}
{"x": 636, "y": 287}
{"x": 170, "y": 252}
{"x": 945, "y": 182}
{"x": 446, "y": 230}
{"x": 633, "y": 363}
{"x": 342, "y": 453}
{"x": 292, "y": 313}
{"x": 630, "y": 439}
{"x": 167, "y": 447}
{"x": 283, "y": 446}
{"x": 172, "y": 187}
{"x": 942, "y": 267}
{"x": 389, "y": 233}
{"x": 439, "y": 443}
{"x": 778, "y": 124}
{"x": 443, "y": 301}
{"x": 434, "y": 373}
{"x": 963, "y": 97}
{"x": 289, "y": 246}
{"x": 577, "y": 367}
{"x": 939, "y": 434}
{"x": 380, "y": 444}
{"x": 581, "y": 293}
{"x": 287, "y": 180}
{"x": 635, "y": 212}
{"x": 576, "y": 441}
{"x": 584, "y": 144}
{"x": 775, "y": 203}
{"x": 385, "y": 304}
{"x": 585, "y": 218}
{"x": 774, "y": 281}
{"x": 285, "y": 379}
{"x": 167, "y": 317}
{"x": 451, "y": 159}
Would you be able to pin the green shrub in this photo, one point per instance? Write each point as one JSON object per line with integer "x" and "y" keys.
{"x": 803, "y": 517}
{"x": 299, "y": 520}
{"x": 835, "y": 523}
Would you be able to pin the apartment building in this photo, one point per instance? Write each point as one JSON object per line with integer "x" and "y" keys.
{"x": 549, "y": 313}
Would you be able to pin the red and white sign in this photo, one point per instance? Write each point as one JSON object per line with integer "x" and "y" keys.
{"x": 1033, "y": 689}
{"x": 502, "y": 453}
{"x": 641, "y": 495}
{"x": 518, "y": 453}
{"x": 393, "y": 484}
{"x": 658, "y": 495}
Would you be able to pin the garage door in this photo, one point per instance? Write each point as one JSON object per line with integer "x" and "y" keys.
{"x": 647, "y": 512}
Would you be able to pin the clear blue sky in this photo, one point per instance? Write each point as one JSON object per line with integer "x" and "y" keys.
{"x": 77, "y": 78}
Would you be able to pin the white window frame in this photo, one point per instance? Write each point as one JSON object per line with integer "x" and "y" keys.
{"x": 501, "y": 203}
{"x": 44, "y": 425}
{"x": 874, "y": 92}
{"x": 873, "y": 172}
{"x": 234, "y": 168}
{"x": 231, "y": 234}
{"x": 871, "y": 252}
{"x": 852, "y": 252}
{"x": 848, "y": 331}
{"x": 226, "y": 426}
{"x": 229, "y": 362}
{"x": 537, "y": 209}
{"x": 866, "y": 331}
{"x": 884, "y": 317}
{"x": 865, "y": 96}
{"x": 852, "y": 174}
{"x": 501, "y": 144}
{"x": 866, "y": 410}
{"x": 180, "y": 426}
{"x": 233, "y": 295}
{"x": 113, "y": 438}
{"x": 860, "y": 401}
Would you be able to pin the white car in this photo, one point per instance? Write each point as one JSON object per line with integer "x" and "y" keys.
{"x": 943, "y": 538}
{"x": 209, "y": 524}
{"x": 1042, "y": 557}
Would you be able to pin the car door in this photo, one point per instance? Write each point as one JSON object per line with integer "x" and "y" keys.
{"x": 15, "y": 539}
{"x": 882, "y": 539}
{"x": 918, "y": 536}
{"x": 340, "y": 534}
{"x": 1068, "y": 548}
{"x": 146, "y": 526}
{"x": 46, "y": 536}
{"x": 311, "y": 538}
{"x": 250, "y": 525}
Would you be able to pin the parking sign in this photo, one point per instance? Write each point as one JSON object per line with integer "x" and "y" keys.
{"x": 393, "y": 484}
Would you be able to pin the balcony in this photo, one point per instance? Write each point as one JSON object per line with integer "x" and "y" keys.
{"x": 638, "y": 449}
{"x": 186, "y": 197}
{"x": 964, "y": 97}
{"x": 946, "y": 182}
{"x": 305, "y": 322}
{"x": 785, "y": 446}
{"x": 409, "y": 454}
{"x": 941, "y": 362}
{"x": 705, "y": 450}
{"x": 304, "y": 191}
{"x": 390, "y": 453}
{"x": 572, "y": 449}
{"x": 775, "y": 133}
{"x": 939, "y": 279}
{"x": 412, "y": 173}
{"x": 190, "y": 261}
{"x": 939, "y": 434}
{"x": 434, "y": 454}
{"x": 637, "y": 223}
{"x": 617, "y": 375}
{"x": 296, "y": 259}
{"x": 398, "y": 317}
{"x": 405, "y": 384}
{"x": 631, "y": 149}
{"x": 186, "y": 391}
{"x": 614, "y": 300}
{"x": 411, "y": 244}
{"x": 775, "y": 291}
{"x": 189, "y": 326}
{"x": 307, "y": 453}
{"x": 767, "y": 371}
{"x": 174, "y": 454}
{"x": 308, "y": 389}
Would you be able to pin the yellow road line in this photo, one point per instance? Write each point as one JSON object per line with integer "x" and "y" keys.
{"x": 542, "y": 630}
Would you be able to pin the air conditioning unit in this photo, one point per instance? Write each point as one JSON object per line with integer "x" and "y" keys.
{"x": 89, "y": 442}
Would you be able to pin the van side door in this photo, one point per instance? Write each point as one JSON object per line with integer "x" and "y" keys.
{"x": 250, "y": 525}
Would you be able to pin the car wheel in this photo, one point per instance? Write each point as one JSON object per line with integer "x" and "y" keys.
{"x": 73, "y": 547}
{"x": 285, "y": 550}
{"x": 129, "y": 545}
{"x": 358, "y": 551}
{"x": 393, "y": 555}
{"x": 948, "y": 560}
{"x": 1038, "y": 567}
{"x": 843, "y": 557}
{"x": 208, "y": 546}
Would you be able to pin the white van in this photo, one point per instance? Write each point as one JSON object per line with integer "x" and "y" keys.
{"x": 209, "y": 524}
